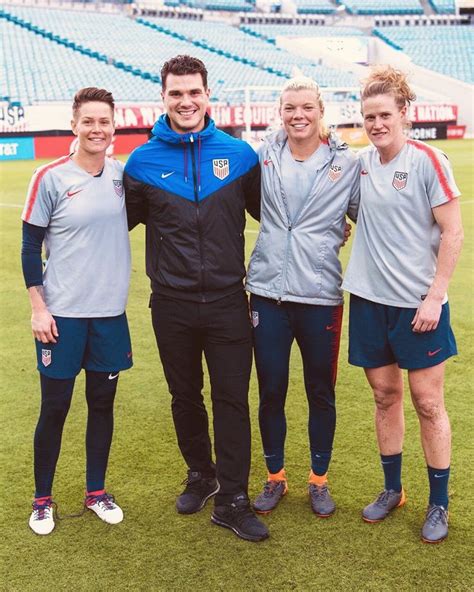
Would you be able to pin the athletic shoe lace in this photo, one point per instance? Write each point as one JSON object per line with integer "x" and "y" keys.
{"x": 106, "y": 500}
{"x": 270, "y": 488}
{"x": 435, "y": 515}
{"x": 241, "y": 512}
{"x": 195, "y": 483}
{"x": 318, "y": 491}
{"x": 40, "y": 510}
{"x": 384, "y": 498}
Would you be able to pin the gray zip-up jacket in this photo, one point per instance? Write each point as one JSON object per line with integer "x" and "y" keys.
{"x": 297, "y": 259}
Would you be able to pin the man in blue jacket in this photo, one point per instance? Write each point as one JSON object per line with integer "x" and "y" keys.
{"x": 191, "y": 184}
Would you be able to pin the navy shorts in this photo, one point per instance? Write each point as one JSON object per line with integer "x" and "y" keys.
{"x": 98, "y": 344}
{"x": 380, "y": 335}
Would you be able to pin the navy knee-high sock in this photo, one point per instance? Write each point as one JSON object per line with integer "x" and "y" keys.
{"x": 392, "y": 470}
{"x": 56, "y": 397}
{"x": 100, "y": 395}
{"x": 439, "y": 479}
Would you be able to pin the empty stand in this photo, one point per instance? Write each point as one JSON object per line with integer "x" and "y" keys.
{"x": 448, "y": 50}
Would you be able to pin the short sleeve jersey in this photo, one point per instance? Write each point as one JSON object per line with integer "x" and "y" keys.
{"x": 87, "y": 269}
{"x": 394, "y": 256}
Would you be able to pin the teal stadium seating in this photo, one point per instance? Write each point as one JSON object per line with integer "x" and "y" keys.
{"x": 448, "y": 50}
{"x": 49, "y": 53}
{"x": 375, "y": 7}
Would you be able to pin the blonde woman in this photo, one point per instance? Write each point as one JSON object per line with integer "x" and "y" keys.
{"x": 409, "y": 237}
{"x": 310, "y": 181}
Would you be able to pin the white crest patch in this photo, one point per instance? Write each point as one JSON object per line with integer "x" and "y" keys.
{"x": 400, "y": 180}
{"x": 220, "y": 168}
{"x": 118, "y": 187}
{"x": 335, "y": 171}
{"x": 46, "y": 357}
{"x": 254, "y": 318}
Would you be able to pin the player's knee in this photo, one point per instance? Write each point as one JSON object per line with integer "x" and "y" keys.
{"x": 100, "y": 390}
{"x": 54, "y": 411}
{"x": 386, "y": 397}
{"x": 429, "y": 409}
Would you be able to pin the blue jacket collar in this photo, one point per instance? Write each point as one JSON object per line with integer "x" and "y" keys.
{"x": 162, "y": 131}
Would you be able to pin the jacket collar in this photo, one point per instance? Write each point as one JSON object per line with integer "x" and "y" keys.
{"x": 162, "y": 131}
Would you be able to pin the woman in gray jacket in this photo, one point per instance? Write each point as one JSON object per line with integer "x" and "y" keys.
{"x": 310, "y": 181}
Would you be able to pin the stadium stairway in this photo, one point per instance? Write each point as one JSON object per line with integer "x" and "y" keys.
{"x": 86, "y": 51}
{"x": 211, "y": 48}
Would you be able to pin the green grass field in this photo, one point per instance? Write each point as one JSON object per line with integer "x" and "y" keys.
{"x": 155, "y": 549}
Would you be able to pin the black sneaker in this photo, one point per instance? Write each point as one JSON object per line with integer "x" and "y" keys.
{"x": 238, "y": 516}
{"x": 198, "y": 490}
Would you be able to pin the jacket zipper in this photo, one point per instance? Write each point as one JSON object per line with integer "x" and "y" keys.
{"x": 285, "y": 261}
{"x": 198, "y": 218}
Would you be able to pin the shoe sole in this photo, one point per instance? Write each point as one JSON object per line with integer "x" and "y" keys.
{"x": 103, "y": 519}
{"x": 434, "y": 542}
{"x": 203, "y": 503}
{"x": 239, "y": 533}
{"x": 401, "y": 503}
{"x": 265, "y": 512}
{"x": 324, "y": 515}
{"x": 41, "y": 533}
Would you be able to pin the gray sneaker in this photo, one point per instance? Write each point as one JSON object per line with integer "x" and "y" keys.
{"x": 271, "y": 495}
{"x": 322, "y": 503}
{"x": 435, "y": 528}
{"x": 387, "y": 501}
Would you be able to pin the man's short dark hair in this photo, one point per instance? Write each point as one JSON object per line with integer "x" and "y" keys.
{"x": 91, "y": 93}
{"x": 181, "y": 65}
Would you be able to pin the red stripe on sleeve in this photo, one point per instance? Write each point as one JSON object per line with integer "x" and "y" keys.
{"x": 443, "y": 181}
{"x": 40, "y": 173}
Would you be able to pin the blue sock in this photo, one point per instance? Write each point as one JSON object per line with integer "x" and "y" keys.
{"x": 392, "y": 470}
{"x": 320, "y": 461}
{"x": 439, "y": 479}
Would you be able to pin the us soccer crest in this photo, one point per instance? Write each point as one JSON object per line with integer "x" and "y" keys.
{"x": 254, "y": 318}
{"x": 46, "y": 357}
{"x": 335, "y": 171}
{"x": 118, "y": 187}
{"x": 399, "y": 180}
{"x": 220, "y": 168}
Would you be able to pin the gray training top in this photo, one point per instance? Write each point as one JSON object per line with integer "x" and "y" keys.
{"x": 87, "y": 271}
{"x": 395, "y": 251}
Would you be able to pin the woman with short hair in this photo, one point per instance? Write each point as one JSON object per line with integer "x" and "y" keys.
{"x": 75, "y": 206}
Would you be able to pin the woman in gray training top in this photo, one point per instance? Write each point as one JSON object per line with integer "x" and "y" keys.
{"x": 409, "y": 237}
{"x": 310, "y": 181}
{"x": 75, "y": 205}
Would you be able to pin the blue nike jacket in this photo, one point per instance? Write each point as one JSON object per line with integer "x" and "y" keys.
{"x": 191, "y": 190}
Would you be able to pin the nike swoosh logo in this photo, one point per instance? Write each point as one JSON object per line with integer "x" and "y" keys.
{"x": 439, "y": 476}
{"x": 164, "y": 175}
{"x": 387, "y": 462}
{"x": 330, "y": 327}
{"x": 433, "y": 353}
{"x": 71, "y": 193}
{"x": 113, "y": 376}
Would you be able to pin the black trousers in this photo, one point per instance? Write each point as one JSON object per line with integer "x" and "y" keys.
{"x": 221, "y": 330}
